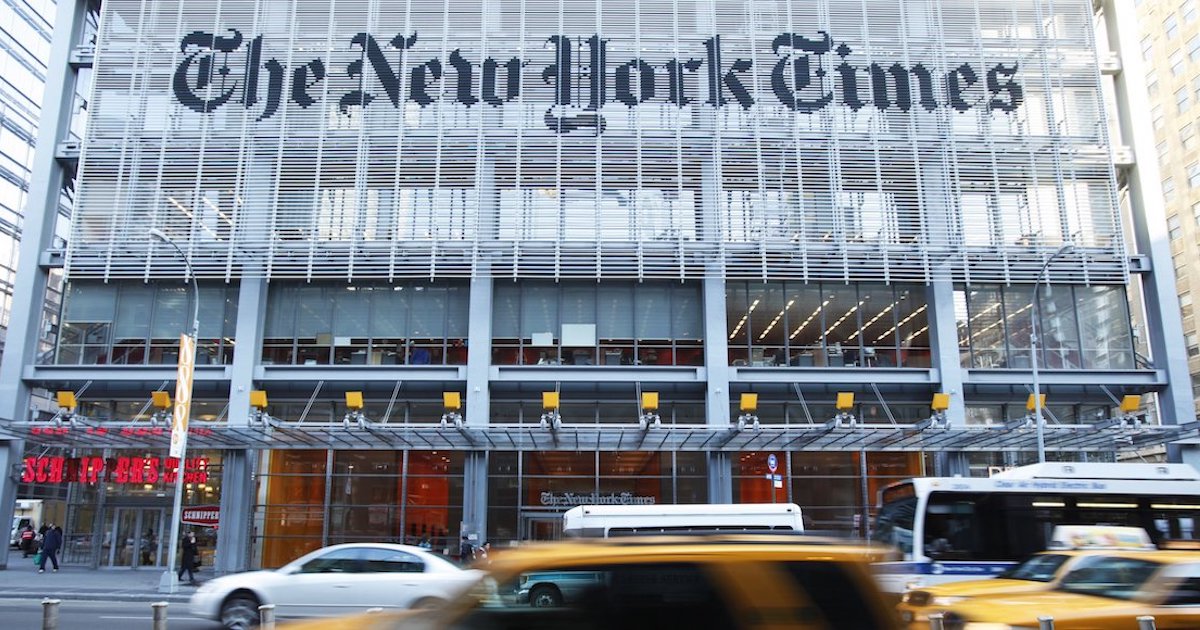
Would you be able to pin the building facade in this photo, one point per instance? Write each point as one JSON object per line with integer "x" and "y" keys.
{"x": 1170, "y": 48}
{"x": 646, "y": 245}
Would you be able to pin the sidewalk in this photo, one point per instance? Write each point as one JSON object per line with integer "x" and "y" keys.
{"x": 21, "y": 580}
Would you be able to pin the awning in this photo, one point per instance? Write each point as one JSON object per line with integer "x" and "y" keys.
{"x": 1103, "y": 437}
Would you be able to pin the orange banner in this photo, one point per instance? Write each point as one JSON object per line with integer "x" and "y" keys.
{"x": 183, "y": 395}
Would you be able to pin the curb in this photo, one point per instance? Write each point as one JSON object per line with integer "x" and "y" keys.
{"x": 67, "y": 596}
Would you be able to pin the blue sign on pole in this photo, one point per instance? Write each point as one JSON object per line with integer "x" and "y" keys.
{"x": 772, "y": 462}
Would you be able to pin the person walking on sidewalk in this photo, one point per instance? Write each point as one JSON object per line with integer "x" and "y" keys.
{"x": 189, "y": 558}
{"x": 52, "y": 541}
{"x": 27, "y": 541}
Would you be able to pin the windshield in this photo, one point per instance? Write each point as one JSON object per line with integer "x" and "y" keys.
{"x": 1040, "y": 568}
{"x": 1119, "y": 578}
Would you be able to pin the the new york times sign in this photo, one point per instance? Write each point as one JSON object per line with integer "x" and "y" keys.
{"x": 577, "y": 78}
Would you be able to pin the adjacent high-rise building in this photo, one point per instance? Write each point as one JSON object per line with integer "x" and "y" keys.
{"x": 1170, "y": 51}
{"x": 457, "y": 266}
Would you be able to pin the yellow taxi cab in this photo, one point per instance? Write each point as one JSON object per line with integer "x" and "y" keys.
{"x": 1039, "y": 572}
{"x": 664, "y": 582}
{"x": 1101, "y": 592}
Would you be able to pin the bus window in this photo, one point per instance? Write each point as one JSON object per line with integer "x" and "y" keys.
{"x": 1173, "y": 518}
{"x": 894, "y": 524}
{"x": 952, "y": 527}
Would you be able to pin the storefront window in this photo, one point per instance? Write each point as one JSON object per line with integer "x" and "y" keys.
{"x": 528, "y": 492}
{"x": 797, "y": 324}
{"x": 414, "y": 497}
{"x": 828, "y": 487}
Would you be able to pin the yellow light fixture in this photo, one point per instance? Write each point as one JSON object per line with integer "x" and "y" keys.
{"x": 1130, "y": 403}
{"x": 258, "y": 399}
{"x": 354, "y": 401}
{"x": 649, "y": 401}
{"x": 452, "y": 401}
{"x": 1029, "y": 402}
{"x": 941, "y": 402}
{"x": 749, "y": 403}
{"x": 66, "y": 400}
{"x": 549, "y": 401}
{"x": 161, "y": 400}
{"x": 845, "y": 401}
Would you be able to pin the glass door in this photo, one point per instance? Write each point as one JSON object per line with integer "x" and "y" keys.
{"x": 541, "y": 526}
{"x": 135, "y": 538}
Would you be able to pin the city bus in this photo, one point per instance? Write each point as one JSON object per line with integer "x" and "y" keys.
{"x": 603, "y": 521}
{"x": 959, "y": 528}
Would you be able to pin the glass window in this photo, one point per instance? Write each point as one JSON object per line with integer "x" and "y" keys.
{"x": 1058, "y": 328}
{"x": 1039, "y": 568}
{"x": 1104, "y": 327}
{"x": 607, "y": 597}
{"x": 1103, "y": 576}
{"x": 1171, "y": 26}
{"x": 1182, "y": 100}
{"x": 1168, "y": 188}
{"x": 1174, "y": 227}
{"x": 380, "y": 560}
{"x": 1193, "y": 48}
{"x": 1188, "y": 11}
{"x": 336, "y": 561}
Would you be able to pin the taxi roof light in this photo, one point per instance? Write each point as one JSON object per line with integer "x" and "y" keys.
{"x": 1099, "y": 537}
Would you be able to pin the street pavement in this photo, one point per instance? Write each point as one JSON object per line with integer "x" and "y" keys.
{"x": 22, "y": 614}
{"x": 22, "y": 581}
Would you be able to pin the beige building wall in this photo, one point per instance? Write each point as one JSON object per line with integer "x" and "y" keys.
{"x": 1170, "y": 43}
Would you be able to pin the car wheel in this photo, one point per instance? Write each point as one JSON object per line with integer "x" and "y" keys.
{"x": 240, "y": 612}
{"x": 427, "y": 603}
{"x": 545, "y": 597}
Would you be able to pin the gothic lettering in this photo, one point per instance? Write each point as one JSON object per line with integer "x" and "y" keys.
{"x": 719, "y": 81}
{"x": 191, "y": 90}
{"x": 1016, "y": 95}
{"x": 802, "y": 74}
{"x": 227, "y": 70}
{"x": 957, "y": 83}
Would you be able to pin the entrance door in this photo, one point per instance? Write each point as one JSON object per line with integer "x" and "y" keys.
{"x": 541, "y": 526}
{"x": 135, "y": 537}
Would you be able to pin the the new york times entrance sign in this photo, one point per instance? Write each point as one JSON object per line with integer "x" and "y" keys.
{"x": 806, "y": 73}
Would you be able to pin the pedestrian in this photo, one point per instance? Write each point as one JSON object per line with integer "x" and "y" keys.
{"x": 481, "y": 554}
{"x": 51, "y": 542}
{"x": 189, "y": 558}
{"x": 27, "y": 540}
{"x": 466, "y": 551}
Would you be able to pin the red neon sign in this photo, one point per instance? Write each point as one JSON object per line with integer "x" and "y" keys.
{"x": 123, "y": 470}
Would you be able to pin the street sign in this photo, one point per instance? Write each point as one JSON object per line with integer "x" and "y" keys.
{"x": 772, "y": 463}
{"x": 772, "y": 477}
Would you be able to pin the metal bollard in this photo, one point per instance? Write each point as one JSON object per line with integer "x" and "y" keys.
{"x": 160, "y": 615}
{"x": 266, "y": 617}
{"x": 936, "y": 621}
{"x": 50, "y": 613}
{"x": 1046, "y": 623}
{"x": 1146, "y": 622}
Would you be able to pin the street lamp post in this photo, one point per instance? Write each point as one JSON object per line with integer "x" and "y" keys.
{"x": 166, "y": 583}
{"x": 1034, "y": 301}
